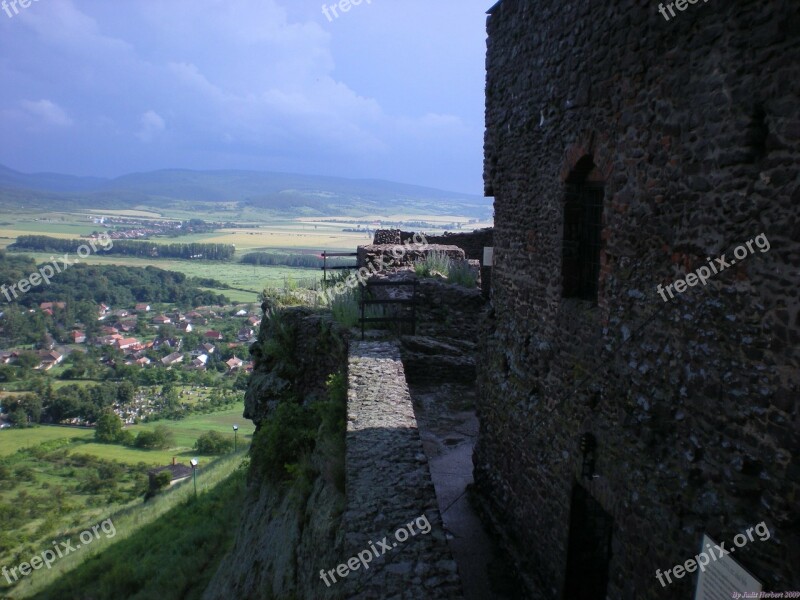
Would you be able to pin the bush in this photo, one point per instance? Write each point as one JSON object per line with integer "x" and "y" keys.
{"x": 158, "y": 483}
{"x": 283, "y": 439}
{"x": 213, "y": 442}
{"x": 159, "y": 438}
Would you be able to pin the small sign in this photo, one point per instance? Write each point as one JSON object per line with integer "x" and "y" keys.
{"x": 723, "y": 576}
{"x": 488, "y": 256}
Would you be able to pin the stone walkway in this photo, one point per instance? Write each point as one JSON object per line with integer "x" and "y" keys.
{"x": 389, "y": 489}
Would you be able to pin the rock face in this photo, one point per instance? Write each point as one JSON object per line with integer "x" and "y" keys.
{"x": 288, "y": 533}
{"x": 292, "y": 358}
{"x": 690, "y": 131}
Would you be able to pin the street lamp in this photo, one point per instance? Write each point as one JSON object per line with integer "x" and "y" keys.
{"x": 235, "y": 429}
{"x": 194, "y": 474}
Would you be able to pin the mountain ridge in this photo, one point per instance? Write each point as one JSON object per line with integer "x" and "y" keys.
{"x": 289, "y": 193}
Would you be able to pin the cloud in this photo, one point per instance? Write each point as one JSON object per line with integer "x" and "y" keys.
{"x": 46, "y": 112}
{"x": 254, "y": 84}
{"x": 152, "y": 126}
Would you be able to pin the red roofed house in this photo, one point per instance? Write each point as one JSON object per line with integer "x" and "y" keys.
{"x": 126, "y": 343}
{"x": 78, "y": 337}
{"x": 213, "y": 335}
{"x": 234, "y": 363}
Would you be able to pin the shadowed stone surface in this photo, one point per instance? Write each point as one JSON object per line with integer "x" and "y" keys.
{"x": 389, "y": 485}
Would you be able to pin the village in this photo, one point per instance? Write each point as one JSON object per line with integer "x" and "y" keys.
{"x": 142, "y": 344}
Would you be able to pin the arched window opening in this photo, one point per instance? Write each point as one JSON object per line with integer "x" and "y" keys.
{"x": 583, "y": 212}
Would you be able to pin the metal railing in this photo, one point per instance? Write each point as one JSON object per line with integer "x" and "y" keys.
{"x": 326, "y": 268}
{"x": 367, "y": 299}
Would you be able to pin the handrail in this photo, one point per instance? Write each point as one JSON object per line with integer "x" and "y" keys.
{"x": 401, "y": 301}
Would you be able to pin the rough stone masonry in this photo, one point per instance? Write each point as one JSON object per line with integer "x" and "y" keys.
{"x": 617, "y": 430}
{"x": 389, "y": 485}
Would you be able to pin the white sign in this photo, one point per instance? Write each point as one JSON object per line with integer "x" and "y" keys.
{"x": 488, "y": 256}
{"x": 723, "y": 578}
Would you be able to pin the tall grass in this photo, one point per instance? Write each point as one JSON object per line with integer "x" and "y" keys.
{"x": 456, "y": 271}
{"x": 345, "y": 307}
{"x": 433, "y": 262}
{"x": 130, "y": 522}
{"x": 461, "y": 274}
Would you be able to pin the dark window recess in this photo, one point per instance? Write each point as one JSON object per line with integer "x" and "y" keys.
{"x": 580, "y": 259}
{"x": 589, "y": 553}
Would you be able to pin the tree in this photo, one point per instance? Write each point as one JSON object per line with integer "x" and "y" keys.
{"x": 125, "y": 392}
{"x": 213, "y": 442}
{"x": 108, "y": 429}
{"x": 19, "y": 417}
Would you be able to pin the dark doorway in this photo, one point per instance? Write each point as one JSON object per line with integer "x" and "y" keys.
{"x": 589, "y": 552}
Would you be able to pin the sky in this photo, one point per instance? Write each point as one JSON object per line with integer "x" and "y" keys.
{"x": 390, "y": 89}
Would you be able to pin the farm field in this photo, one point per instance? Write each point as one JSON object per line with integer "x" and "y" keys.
{"x": 246, "y": 277}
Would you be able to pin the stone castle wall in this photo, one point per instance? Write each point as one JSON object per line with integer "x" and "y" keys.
{"x": 692, "y": 127}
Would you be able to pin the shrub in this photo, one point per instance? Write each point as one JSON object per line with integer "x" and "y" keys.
{"x": 160, "y": 437}
{"x": 213, "y": 442}
{"x": 283, "y": 439}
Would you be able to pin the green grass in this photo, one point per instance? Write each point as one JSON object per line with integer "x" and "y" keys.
{"x": 166, "y": 548}
{"x": 186, "y": 433}
{"x": 12, "y": 440}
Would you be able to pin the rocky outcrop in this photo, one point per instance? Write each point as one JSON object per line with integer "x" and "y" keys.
{"x": 297, "y": 348}
{"x": 289, "y": 530}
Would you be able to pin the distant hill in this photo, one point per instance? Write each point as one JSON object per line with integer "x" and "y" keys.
{"x": 282, "y": 193}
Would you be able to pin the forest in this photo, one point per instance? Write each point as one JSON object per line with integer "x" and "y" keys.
{"x": 117, "y": 286}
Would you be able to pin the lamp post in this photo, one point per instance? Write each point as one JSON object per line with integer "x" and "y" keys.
{"x": 235, "y": 429}
{"x": 194, "y": 474}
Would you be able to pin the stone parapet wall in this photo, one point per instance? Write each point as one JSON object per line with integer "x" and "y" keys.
{"x": 393, "y": 256}
{"x": 389, "y": 486}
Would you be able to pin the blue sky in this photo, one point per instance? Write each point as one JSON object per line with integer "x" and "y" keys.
{"x": 389, "y": 90}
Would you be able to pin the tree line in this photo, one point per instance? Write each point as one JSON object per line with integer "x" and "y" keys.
{"x": 43, "y": 243}
{"x": 293, "y": 260}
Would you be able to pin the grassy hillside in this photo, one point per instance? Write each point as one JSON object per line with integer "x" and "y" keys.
{"x": 167, "y": 549}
